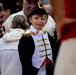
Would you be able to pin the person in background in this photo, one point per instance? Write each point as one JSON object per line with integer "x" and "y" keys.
{"x": 2, "y": 29}
{"x": 45, "y": 2}
{"x": 7, "y": 10}
{"x": 28, "y": 5}
{"x": 9, "y": 57}
{"x": 66, "y": 27}
{"x": 37, "y": 49}
{"x": 48, "y": 7}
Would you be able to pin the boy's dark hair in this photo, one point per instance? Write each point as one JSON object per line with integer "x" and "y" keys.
{"x": 39, "y": 10}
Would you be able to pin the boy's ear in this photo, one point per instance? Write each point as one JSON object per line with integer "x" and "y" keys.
{"x": 30, "y": 19}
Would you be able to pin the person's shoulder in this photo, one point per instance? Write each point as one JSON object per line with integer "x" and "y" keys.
{"x": 8, "y": 21}
{"x": 26, "y": 37}
{"x": 51, "y": 22}
{"x": 19, "y": 13}
{"x": 14, "y": 14}
{"x": 27, "y": 33}
{"x": 51, "y": 19}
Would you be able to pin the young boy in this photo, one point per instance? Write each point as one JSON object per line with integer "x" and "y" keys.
{"x": 37, "y": 49}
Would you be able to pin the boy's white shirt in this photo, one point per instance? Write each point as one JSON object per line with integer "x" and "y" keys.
{"x": 37, "y": 60}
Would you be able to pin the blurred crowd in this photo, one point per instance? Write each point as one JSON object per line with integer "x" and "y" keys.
{"x": 14, "y": 23}
{"x": 13, "y": 5}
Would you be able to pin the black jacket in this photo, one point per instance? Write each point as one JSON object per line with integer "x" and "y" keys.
{"x": 26, "y": 49}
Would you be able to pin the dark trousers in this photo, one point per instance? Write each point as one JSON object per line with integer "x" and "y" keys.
{"x": 49, "y": 69}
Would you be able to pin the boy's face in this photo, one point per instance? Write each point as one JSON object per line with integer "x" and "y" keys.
{"x": 38, "y": 21}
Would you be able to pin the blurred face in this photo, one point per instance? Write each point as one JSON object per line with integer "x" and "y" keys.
{"x": 38, "y": 21}
{"x": 1, "y": 17}
{"x": 28, "y": 6}
{"x": 7, "y": 13}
